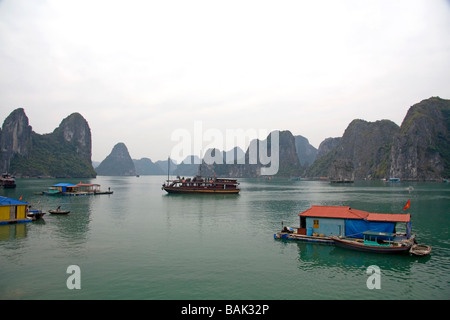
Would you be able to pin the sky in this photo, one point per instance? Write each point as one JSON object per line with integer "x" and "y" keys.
{"x": 142, "y": 71}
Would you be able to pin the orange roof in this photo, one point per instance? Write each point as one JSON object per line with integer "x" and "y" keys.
{"x": 391, "y": 217}
{"x": 334, "y": 212}
{"x": 349, "y": 213}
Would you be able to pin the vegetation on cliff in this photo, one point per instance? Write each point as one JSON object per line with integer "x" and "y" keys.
{"x": 421, "y": 150}
{"x": 64, "y": 153}
{"x": 417, "y": 150}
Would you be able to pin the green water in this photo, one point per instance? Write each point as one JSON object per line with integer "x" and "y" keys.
{"x": 141, "y": 243}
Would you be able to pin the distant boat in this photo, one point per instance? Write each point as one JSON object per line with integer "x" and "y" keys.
{"x": 342, "y": 181}
{"x": 7, "y": 181}
{"x": 202, "y": 185}
{"x": 394, "y": 179}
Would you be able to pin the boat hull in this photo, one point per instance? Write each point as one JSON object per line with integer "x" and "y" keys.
{"x": 200, "y": 190}
{"x": 58, "y": 212}
{"x": 35, "y": 214}
{"x": 358, "y": 246}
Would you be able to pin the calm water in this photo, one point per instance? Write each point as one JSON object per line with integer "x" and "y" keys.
{"x": 141, "y": 243}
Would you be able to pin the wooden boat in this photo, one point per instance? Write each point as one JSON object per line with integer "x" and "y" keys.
{"x": 7, "y": 181}
{"x": 202, "y": 186}
{"x": 420, "y": 250}
{"x": 35, "y": 214}
{"x": 379, "y": 242}
{"x": 58, "y": 211}
{"x": 342, "y": 181}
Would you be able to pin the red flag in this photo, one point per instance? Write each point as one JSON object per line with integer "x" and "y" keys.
{"x": 407, "y": 204}
{"x": 20, "y": 199}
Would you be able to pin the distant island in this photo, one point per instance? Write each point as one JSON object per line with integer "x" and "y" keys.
{"x": 418, "y": 150}
{"x": 64, "y": 153}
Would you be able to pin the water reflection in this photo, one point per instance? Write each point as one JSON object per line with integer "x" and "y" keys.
{"x": 13, "y": 231}
{"x": 316, "y": 255}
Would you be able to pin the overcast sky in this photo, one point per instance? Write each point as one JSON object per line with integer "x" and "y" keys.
{"x": 139, "y": 70}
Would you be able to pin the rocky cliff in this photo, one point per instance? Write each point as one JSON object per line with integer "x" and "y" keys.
{"x": 75, "y": 130}
{"x": 418, "y": 150}
{"x": 145, "y": 166}
{"x": 362, "y": 152}
{"x": 64, "y": 153}
{"x": 15, "y": 138}
{"x": 305, "y": 151}
{"x": 117, "y": 163}
{"x": 326, "y": 146}
{"x": 259, "y": 159}
{"x": 421, "y": 150}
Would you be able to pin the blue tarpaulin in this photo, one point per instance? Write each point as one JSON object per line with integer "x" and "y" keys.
{"x": 4, "y": 201}
{"x": 354, "y": 228}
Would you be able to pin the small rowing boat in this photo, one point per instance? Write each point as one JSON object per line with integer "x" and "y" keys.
{"x": 58, "y": 211}
{"x": 420, "y": 250}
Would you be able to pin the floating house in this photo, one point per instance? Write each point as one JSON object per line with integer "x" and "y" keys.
{"x": 348, "y": 222}
{"x": 318, "y": 223}
{"x": 65, "y": 188}
{"x": 13, "y": 211}
{"x": 80, "y": 189}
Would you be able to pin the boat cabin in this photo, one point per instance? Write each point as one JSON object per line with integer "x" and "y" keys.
{"x": 13, "y": 211}
{"x": 349, "y": 222}
{"x": 88, "y": 187}
{"x": 378, "y": 239}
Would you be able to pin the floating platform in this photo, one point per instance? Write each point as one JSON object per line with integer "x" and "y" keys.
{"x": 302, "y": 237}
{"x": 15, "y": 221}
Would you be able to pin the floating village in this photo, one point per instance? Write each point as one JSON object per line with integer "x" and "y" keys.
{"x": 18, "y": 211}
{"x": 345, "y": 227}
